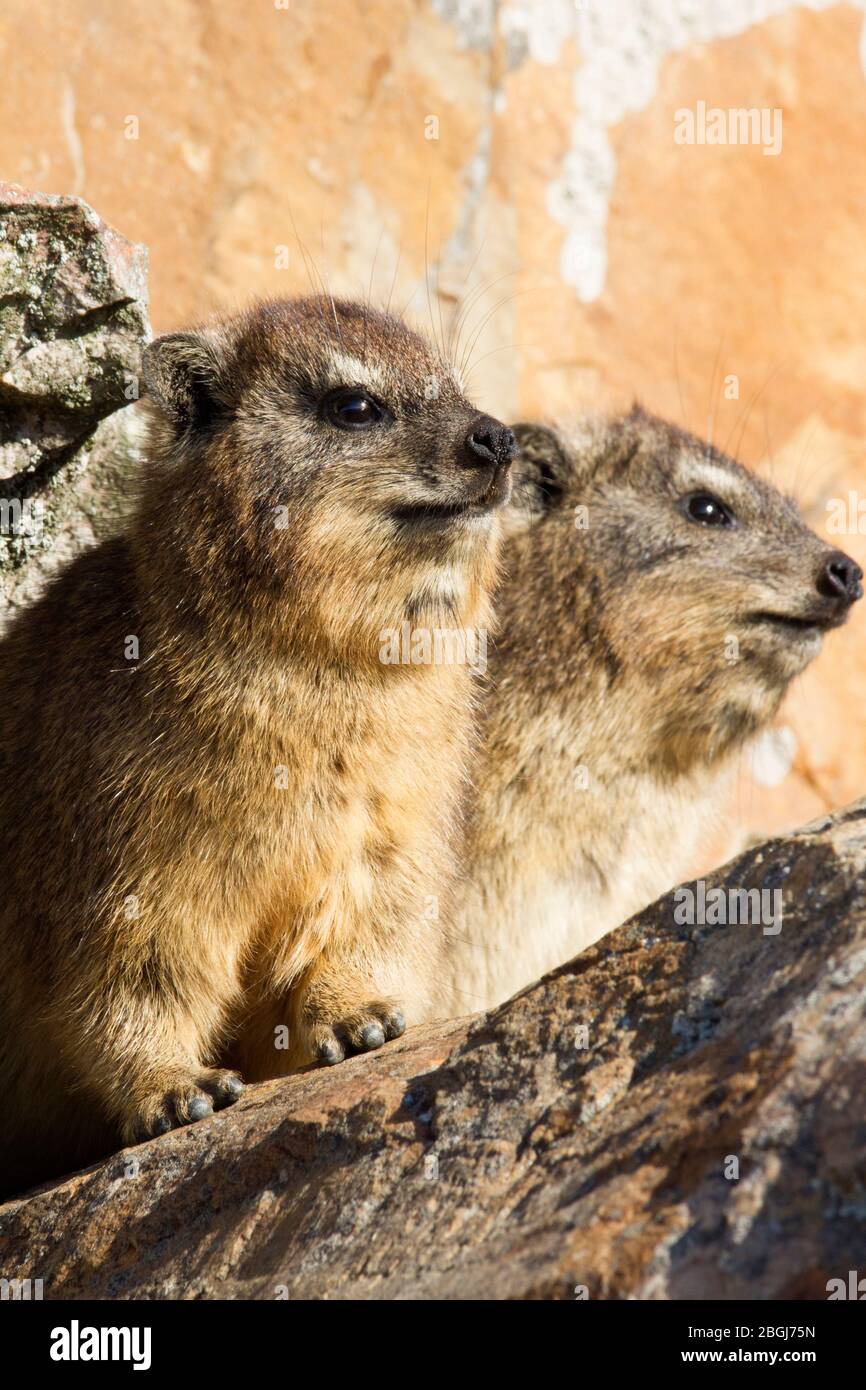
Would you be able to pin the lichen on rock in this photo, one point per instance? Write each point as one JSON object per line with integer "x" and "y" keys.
{"x": 73, "y": 322}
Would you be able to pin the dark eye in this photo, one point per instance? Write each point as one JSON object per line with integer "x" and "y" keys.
{"x": 352, "y": 410}
{"x": 708, "y": 510}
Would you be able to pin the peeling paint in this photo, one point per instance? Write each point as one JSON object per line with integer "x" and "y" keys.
{"x": 473, "y": 20}
{"x": 459, "y": 252}
{"x": 621, "y": 45}
{"x": 73, "y": 140}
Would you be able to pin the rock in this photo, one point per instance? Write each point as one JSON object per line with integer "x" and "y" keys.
{"x": 516, "y": 1156}
{"x": 73, "y": 321}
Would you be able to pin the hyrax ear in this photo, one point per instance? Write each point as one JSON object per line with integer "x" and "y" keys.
{"x": 186, "y": 375}
{"x": 539, "y": 471}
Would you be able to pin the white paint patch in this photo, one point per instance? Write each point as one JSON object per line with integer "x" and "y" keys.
{"x": 621, "y": 45}
{"x": 73, "y": 140}
{"x": 472, "y": 19}
{"x": 773, "y": 756}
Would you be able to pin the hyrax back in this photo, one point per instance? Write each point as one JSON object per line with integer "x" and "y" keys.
{"x": 656, "y": 600}
{"x": 215, "y": 793}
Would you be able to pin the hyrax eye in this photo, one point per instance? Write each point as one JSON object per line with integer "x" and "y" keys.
{"x": 707, "y": 510}
{"x": 351, "y": 410}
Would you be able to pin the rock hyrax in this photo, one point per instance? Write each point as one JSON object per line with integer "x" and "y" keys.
{"x": 214, "y": 789}
{"x": 641, "y": 642}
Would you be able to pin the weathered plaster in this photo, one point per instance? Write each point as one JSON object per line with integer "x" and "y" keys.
{"x": 621, "y": 45}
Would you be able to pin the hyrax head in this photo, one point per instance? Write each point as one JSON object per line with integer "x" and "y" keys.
{"x": 330, "y": 453}
{"x": 690, "y": 590}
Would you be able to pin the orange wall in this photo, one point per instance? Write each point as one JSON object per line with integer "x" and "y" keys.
{"x": 261, "y": 128}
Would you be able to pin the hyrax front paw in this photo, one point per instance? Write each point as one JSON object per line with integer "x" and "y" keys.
{"x": 362, "y": 1031}
{"x": 185, "y": 1098}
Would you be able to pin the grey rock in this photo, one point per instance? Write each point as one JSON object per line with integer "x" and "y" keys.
{"x": 73, "y": 321}
{"x": 512, "y": 1156}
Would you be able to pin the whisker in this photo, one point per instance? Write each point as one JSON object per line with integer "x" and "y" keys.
{"x": 713, "y": 406}
{"x": 464, "y": 363}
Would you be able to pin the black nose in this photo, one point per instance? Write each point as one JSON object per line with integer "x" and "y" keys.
{"x": 840, "y": 577}
{"x": 488, "y": 443}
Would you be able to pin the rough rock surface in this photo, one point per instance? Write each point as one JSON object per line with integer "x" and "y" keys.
{"x": 513, "y": 1155}
{"x": 73, "y": 321}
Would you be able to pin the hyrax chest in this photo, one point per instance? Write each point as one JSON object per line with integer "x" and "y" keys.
{"x": 356, "y": 816}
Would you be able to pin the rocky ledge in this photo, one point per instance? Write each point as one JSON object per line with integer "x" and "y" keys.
{"x": 73, "y": 322}
{"x": 677, "y": 1113}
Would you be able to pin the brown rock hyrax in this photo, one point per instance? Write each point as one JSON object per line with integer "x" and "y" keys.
{"x": 215, "y": 790}
{"x": 656, "y": 600}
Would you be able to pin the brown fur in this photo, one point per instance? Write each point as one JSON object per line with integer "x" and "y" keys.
{"x": 613, "y": 709}
{"x": 255, "y": 810}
